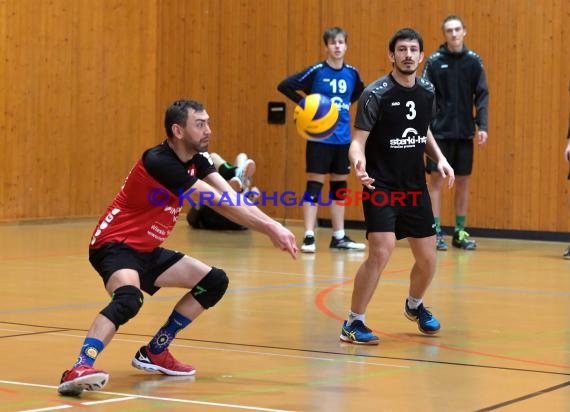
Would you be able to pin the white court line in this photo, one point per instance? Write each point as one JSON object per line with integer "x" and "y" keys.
{"x": 153, "y": 398}
{"x": 127, "y": 398}
{"x": 52, "y": 408}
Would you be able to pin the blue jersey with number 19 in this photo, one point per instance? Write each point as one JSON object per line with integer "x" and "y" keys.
{"x": 343, "y": 86}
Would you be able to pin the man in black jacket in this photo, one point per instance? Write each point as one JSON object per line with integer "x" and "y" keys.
{"x": 460, "y": 83}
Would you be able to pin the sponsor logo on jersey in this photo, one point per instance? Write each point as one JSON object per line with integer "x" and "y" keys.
{"x": 410, "y": 138}
{"x": 395, "y": 103}
{"x": 340, "y": 104}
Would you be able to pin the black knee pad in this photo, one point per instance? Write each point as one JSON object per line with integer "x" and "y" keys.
{"x": 313, "y": 191}
{"x": 211, "y": 288}
{"x": 125, "y": 304}
{"x": 338, "y": 189}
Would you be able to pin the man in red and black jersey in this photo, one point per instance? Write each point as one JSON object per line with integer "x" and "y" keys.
{"x": 392, "y": 134}
{"x": 125, "y": 246}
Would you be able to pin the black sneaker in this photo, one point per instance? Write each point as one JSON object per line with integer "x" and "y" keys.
{"x": 567, "y": 253}
{"x": 461, "y": 240}
{"x": 346, "y": 243}
{"x": 308, "y": 245}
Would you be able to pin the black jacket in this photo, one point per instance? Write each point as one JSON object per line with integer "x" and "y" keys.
{"x": 460, "y": 84}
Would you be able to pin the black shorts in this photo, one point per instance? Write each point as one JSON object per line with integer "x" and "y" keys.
{"x": 117, "y": 255}
{"x": 412, "y": 217}
{"x": 459, "y": 154}
{"x": 324, "y": 158}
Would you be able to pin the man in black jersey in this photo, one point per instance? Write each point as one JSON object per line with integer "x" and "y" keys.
{"x": 392, "y": 134}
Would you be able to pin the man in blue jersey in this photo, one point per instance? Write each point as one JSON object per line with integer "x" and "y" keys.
{"x": 342, "y": 84}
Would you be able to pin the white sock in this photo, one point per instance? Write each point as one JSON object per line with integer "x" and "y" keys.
{"x": 413, "y": 303}
{"x": 354, "y": 316}
{"x": 338, "y": 234}
{"x": 309, "y": 233}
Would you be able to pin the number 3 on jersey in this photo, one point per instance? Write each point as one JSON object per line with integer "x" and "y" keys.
{"x": 412, "y": 108}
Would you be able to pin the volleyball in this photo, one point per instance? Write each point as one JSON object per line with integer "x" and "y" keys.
{"x": 316, "y": 117}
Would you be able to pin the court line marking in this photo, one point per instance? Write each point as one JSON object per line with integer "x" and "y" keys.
{"x": 524, "y": 397}
{"x": 51, "y": 408}
{"x": 153, "y": 398}
{"x": 91, "y": 403}
{"x": 126, "y": 398}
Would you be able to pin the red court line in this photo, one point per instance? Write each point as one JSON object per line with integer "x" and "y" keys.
{"x": 321, "y": 305}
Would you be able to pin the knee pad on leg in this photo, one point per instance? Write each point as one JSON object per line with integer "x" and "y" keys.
{"x": 211, "y": 288}
{"x": 313, "y": 191}
{"x": 125, "y": 304}
{"x": 338, "y": 189}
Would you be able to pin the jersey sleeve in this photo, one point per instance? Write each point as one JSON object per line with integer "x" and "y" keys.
{"x": 302, "y": 81}
{"x": 368, "y": 110}
{"x": 204, "y": 164}
{"x": 358, "y": 88}
{"x": 168, "y": 171}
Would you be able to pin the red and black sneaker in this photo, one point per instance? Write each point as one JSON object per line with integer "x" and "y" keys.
{"x": 163, "y": 362}
{"x": 84, "y": 377}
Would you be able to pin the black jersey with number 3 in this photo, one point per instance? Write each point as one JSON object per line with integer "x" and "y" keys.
{"x": 397, "y": 118}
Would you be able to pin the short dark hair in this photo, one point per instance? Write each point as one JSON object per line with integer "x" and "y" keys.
{"x": 406, "y": 34}
{"x": 332, "y": 32}
{"x": 452, "y": 17}
{"x": 177, "y": 113}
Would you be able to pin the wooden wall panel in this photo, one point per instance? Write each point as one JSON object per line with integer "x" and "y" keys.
{"x": 253, "y": 52}
{"x": 85, "y": 84}
{"x": 188, "y": 56}
{"x": 79, "y": 87}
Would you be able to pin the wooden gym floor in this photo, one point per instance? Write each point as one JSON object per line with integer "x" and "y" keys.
{"x": 272, "y": 343}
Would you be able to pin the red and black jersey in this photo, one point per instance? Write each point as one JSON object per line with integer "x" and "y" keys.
{"x": 145, "y": 210}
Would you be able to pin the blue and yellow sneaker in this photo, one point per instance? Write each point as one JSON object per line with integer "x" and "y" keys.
{"x": 358, "y": 333}
{"x": 461, "y": 240}
{"x": 427, "y": 323}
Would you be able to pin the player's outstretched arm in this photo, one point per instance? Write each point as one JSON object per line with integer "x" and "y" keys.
{"x": 239, "y": 211}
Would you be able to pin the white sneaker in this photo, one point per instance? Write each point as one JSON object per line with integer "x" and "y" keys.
{"x": 240, "y": 159}
{"x": 308, "y": 245}
{"x": 245, "y": 172}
